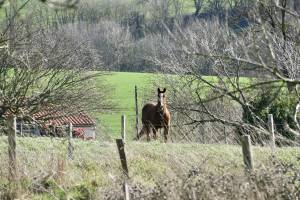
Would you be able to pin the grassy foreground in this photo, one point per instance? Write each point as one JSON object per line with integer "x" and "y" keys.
{"x": 155, "y": 169}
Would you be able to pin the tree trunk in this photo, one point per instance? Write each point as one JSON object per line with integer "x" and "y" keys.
{"x": 296, "y": 115}
{"x": 288, "y": 129}
{"x": 11, "y": 25}
{"x": 297, "y": 6}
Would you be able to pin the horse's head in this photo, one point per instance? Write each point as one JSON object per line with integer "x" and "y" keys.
{"x": 161, "y": 97}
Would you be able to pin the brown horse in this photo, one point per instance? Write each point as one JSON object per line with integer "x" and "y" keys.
{"x": 156, "y": 116}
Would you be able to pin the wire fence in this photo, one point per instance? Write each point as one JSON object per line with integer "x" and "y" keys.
{"x": 47, "y": 165}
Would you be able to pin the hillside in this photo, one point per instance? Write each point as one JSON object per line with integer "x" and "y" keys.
{"x": 46, "y": 173}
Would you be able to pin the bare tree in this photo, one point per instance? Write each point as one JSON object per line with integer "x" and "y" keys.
{"x": 47, "y": 67}
{"x": 54, "y": 3}
{"x": 266, "y": 51}
{"x": 216, "y": 6}
{"x": 39, "y": 68}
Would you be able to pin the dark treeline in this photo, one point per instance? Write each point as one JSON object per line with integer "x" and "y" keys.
{"x": 127, "y": 34}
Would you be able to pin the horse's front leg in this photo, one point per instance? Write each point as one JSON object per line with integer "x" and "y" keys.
{"x": 148, "y": 129}
{"x": 154, "y": 130}
{"x": 166, "y": 133}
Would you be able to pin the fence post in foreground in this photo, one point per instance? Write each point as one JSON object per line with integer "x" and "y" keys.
{"x": 123, "y": 128}
{"x": 225, "y": 135}
{"x": 21, "y": 128}
{"x": 136, "y": 111}
{"x": 70, "y": 145}
{"x": 272, "y": 132}
{"x": 121, "y": 149}
{"x": 247, "y": 152}
{"x": 12, "y": 157}
{"x": 11, "y": 133}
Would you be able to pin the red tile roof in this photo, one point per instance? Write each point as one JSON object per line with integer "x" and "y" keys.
{"x": 80, "y": 119}
{"x": 57, "y": 118}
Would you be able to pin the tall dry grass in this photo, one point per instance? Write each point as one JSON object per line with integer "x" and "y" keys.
{"x": 156, "y": 170}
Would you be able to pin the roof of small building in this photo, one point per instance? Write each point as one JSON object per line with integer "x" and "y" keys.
{"x": 57, "y": 118}
{"x": 80, "y": 119}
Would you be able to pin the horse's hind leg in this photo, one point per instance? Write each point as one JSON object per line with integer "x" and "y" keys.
{"x": 145, "y": 130}
{"x": 141, "y": 133}
{"x": 148, "y": 130}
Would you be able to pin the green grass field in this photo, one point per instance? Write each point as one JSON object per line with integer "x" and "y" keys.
{"x": 123, "y": 83}
{"x": 122, "y": 95}
{"x": 46, "y": 173}
{"x": 187, "y": 6}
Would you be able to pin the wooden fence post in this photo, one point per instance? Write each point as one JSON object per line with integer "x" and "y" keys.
{"x": 272, "y": 132}
{"x": 136, "y": 112}
{"x": 123, "y": 128}
{"x": 70, "y": 145}
{"x": 11, "y": 133}
{"x": 225, "y": 134}
{"x": 12, "y": 157}
{"x": 21, "y": 128}
{"x": 224, "y": 127}
{"x": 247, "y": 152}
{"x": 121, "y": 149}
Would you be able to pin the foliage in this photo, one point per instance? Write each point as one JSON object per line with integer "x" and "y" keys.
{"x": 267, "y": 50}
{"x": 276, "y": 100}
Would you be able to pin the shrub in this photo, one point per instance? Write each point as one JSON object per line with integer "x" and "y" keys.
{"x": 277, "y": 101}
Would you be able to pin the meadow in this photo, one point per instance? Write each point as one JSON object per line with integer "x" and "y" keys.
{"x": 187, "y": 6}
{"x": 122, "y": 95}
{"x": 156, "y": 170}
{"x": 46, "y": 168}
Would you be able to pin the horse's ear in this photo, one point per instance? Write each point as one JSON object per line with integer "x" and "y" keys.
{"x": 158, "y": 90}
{"x": 164, "y": 90}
